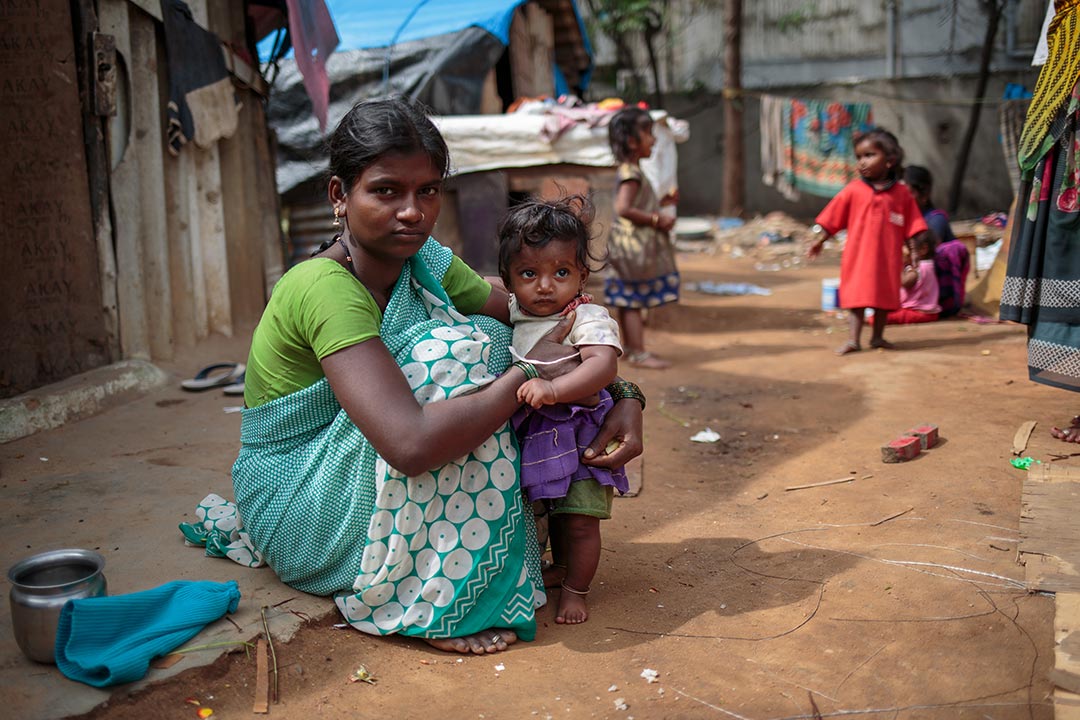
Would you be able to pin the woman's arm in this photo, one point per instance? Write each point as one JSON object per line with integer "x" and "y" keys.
{"x": 371, "y": 388}
{"x": 624, "y": 208}
{"x": 498, "y": 302}
{"x": 599, "y": 365}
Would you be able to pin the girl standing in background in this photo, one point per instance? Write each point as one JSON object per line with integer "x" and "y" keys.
{"x": 641, "y": 257}
{"x": 880, "y": 215}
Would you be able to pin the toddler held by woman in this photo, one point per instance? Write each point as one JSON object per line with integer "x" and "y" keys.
{"x": 544, "y": 261}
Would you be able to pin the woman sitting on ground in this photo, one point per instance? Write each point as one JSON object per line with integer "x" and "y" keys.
{"x": 377, "y": 462}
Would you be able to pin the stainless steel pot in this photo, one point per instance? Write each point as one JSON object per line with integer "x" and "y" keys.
{"x": 41, "y": 585}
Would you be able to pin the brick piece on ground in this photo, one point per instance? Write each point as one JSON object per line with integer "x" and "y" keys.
{"x": 900, "y": 449}
{"x": 927, "y": 434}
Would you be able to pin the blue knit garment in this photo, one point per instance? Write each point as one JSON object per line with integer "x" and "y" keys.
{"x": 106, "y": 641}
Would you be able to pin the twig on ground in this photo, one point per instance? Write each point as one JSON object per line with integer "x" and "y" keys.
{"x": 273, "y": 654}
{"x": 671, "y": 416}
{"x": 891, "y": 517}
{"x": 857, "y": 667}
{"x": 710, "y": 705}
{"x": 837, "y": 481}
{"x": 286, "y": 600}
{"x": 235, "y": 624}
{"x": 791, "y": 682}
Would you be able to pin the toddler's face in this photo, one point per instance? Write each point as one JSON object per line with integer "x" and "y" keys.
{"x": 873, "y": 164}
{"x": 645, "y": 142}
{"x": 546, "y": 279}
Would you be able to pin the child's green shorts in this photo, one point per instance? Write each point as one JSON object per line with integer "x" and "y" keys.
{"x": 585, "y": 497}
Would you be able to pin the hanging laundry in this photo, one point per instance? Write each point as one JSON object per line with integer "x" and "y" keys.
{"x": 314, "y": 37}
{"x": 1011, "y": 114}
{"x": 202, "y": 101}
{"x": 809, "y": 149}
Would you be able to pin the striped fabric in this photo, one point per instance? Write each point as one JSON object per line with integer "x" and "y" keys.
{"x": 1056, "y": 81}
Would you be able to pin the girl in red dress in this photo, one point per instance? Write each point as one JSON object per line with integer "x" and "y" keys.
{"x": 880, "y": 215}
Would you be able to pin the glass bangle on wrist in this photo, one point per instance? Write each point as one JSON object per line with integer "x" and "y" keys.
{"x": 531, "y": 373}
{"x": 625, "y": 390}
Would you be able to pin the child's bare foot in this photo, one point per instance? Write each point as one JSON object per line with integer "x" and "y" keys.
{"x": 482, "y": 643}
{"x": 882, "y": 344}
{"x": 645, "y": 359}
{"x": 572, "y": 608}
{"x": 553, "y": 575}
{"x": 847, "y": 348}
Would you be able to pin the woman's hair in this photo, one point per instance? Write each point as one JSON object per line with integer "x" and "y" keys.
{"x": 378, "y": 126}
{"x": 537, "y": 222}
{"x": 919, "y": 179}
{"x": 888, "y": 144}
{"x": 624, "y": 127}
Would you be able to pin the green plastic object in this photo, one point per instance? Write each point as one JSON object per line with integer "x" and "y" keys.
{"x": 1023, "y": 463}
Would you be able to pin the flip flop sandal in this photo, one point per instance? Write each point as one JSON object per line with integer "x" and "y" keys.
{"x": 237, "y": 388}
{"x": 213, "y": 376}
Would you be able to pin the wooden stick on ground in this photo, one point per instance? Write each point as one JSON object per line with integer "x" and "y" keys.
{"x": 1023, "y": 434}
{"x": 891, "y": 517}
{"x": 262, "y": 678}
{"x": 821, "y": 484}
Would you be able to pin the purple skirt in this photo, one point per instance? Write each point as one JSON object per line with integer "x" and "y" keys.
{"x": 552, "y": 439}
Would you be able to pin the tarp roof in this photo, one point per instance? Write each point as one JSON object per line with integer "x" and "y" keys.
{"x": 370, "y": 24}
{"x": 442, "y": 51}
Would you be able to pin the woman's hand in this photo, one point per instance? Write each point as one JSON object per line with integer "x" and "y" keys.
{"x": 672, "y": 197}
{"x": 664, "y": 223}
{"x": 622, "y": 425}
{"x": 552, "y": 357}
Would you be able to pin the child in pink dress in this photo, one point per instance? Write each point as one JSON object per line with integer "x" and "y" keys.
{"x": 880, "y": 215}
{"x": 918, "y": 285}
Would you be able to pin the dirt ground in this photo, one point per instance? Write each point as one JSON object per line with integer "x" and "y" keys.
{"x": 894, "y": 595}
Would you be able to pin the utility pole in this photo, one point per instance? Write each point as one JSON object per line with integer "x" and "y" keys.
{"x": 993, "y": 10}
{"x": 732, "y": 201}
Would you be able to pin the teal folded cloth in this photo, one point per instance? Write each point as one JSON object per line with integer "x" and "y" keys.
{"x": 110, "y": 640}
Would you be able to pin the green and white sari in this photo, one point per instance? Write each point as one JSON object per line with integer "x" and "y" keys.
{"x": 448, "y": 553}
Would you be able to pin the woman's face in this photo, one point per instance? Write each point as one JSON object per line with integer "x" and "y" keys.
{"x": 547, "y": 278}
{"x": 391, "y": 208}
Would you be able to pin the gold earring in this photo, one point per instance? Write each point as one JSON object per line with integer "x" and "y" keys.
{"x": 337, "y": 216}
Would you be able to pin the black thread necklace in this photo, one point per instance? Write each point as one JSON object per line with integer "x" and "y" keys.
{"x": 348, "y": 257}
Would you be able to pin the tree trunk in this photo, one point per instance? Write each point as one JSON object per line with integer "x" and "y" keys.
{"x": 734, "y": 178}
{"x": 993, "y": 9}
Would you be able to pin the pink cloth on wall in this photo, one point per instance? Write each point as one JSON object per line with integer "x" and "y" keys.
{"x": 314, "y": 37}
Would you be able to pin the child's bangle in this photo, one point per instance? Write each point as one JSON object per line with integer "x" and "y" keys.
{"x": 655, "y": 220}
{"x": 531, "y": 373}
{"x": 625, "y": 390}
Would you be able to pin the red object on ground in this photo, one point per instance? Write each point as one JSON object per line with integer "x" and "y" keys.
{"x": 901, "y": 449}
{"x": 927, "y": 434}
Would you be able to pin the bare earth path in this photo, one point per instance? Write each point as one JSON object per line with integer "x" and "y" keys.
{"x": 748, "y": 600}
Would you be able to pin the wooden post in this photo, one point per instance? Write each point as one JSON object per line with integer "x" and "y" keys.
{"x": 993, "y": 9}
{"x": 733, "y": 191}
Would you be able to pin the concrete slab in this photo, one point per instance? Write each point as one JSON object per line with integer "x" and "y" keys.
{"x": 120, "y": 482}
{"x": 77, "y": 397}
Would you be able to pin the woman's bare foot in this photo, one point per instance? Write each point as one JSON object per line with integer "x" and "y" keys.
{"x": 572, "y": 608}
{"x": 1070, "y": 434}
{"x": 482, "y": 643}
{"x": 847, "y": 348}
{"x": 882, "y": 344}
